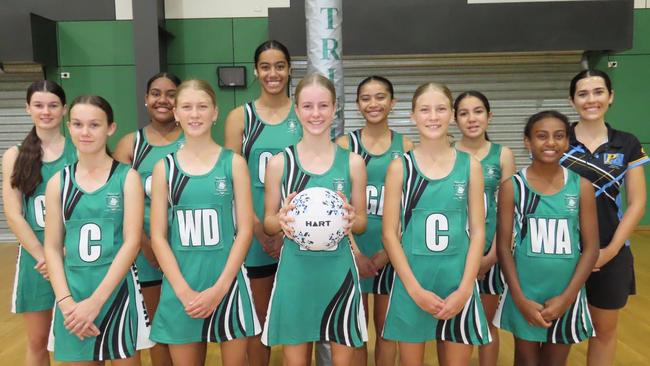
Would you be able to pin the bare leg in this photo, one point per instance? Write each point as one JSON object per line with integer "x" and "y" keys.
{"x": 160, "y": 352}
{"x": 233, "y": 353}
{"x": 296, "y": 354}
{"x": 189, "y": 354}
{"x": 411, "y": 354}
{"x": 454, "y": 353}
{"x": 385, "y": 350}
{"x": 258, "y": 353}
{"x": 554, "y": 354}
{"x": 602, "y": 347}
{"x": 527, "y": 353}
{"x": 489, "y": 353}
{"x": 37, "y": 327}
{"x": 341, "y": 355}
{"x": 131, "y": 361}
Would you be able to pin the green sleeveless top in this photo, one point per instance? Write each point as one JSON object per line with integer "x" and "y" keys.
{"x": 261, "y": 141}
{"x": 202, "y": 228}
{"x": 93, "y": 227}
{"x": 34, "y": 204}
{"x": 491, "y": 165}
{"x": 547, "y": 238}
{"x": 145, "y": 157}
{"x": 434, "y": 223}
{"x": 376, "y": 166}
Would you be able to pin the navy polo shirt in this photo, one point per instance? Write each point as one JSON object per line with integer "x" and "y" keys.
{"x": 606, "y": 168}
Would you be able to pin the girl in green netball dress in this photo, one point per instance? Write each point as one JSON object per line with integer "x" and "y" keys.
{"x": 553, "y": 210}
{"x": 26, "y": 168}
{"x": 92, "y": 234}
{"x": 258, "y": 130}
{"x": 142, "y": 149}
{"x": 434, "y": 234}
{"x": 205, "y": 294}
{"x": 472, "y": 113}
{"x": 316, "y": 295}
{"x": 378, "y": 145}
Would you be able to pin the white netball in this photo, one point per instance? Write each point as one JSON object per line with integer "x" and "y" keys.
{"x": 318, "y": 219}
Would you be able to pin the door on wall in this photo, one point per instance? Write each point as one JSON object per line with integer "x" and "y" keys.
{"x": 517, "y": 85}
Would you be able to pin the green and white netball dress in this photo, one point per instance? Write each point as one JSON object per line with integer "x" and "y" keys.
{"x": 370, "y": 241}
{"x": 201, "y": 235}
{"x": 493, "y": 281}
{"x": 316, "y": 294}
{"x": 261, "y": 141}
{"x": 145, "y": 157}
{"x": 93, "y": 236}
{"x": 435, "y": 242}
{"x": 31, "y": 291}
{"x": 546, "y": 253}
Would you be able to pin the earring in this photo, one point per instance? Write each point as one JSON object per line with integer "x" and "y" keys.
{"x": 146, "y": 105}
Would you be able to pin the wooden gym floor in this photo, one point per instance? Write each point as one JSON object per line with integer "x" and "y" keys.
{"x": 634, "y": 326}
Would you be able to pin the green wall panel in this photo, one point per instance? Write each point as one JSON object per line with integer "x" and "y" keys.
{"x": 95, "y": 43}
{"x": 631, "y": 82}
{"x": 641, "y": 37}
{"x": 114, "y": 83}
{"x": 252, "y": 90}
{"x": 199, "y": 41}
{"x": 249, "y": 33}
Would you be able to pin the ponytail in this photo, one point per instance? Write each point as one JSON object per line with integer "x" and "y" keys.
{"x": 27, "y": 168}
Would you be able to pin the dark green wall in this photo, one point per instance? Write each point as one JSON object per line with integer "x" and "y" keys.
{"x": 631, "y": 81}
{"x": 99, "y": 57}
{"x": 199, "y": 46}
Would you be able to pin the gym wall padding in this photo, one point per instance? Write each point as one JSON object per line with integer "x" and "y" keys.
{"x": 631, "y": 78}
{"x": 99, "y": 57}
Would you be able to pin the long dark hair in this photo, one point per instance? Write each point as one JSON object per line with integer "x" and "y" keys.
{"x": 27, "y": 167}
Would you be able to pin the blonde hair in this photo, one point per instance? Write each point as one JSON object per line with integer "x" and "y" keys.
{"x": 315, "y": 79}
{"x": 197, "y": 84}
{"x": 431, "y": 86}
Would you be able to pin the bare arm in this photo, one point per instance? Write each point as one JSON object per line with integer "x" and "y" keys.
{"x": 343, "y": 142}
{"x": 358, "y": 176}
{"x": 273, "y": 195}
{"x": 53, "y": 243}
{"x": 234, "y": 130}
{"x": 635, "y": 187}
{"x": 159, "y": 229}
{"x": 476, "y": 221}
{"x": 12, "y": 200}
{"x": 426, "y": 300}
{"x": 124, "y": 149}
{"x": 408, "y": 144}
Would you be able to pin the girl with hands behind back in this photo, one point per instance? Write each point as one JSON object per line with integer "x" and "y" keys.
{"x": 434, "y": 194}
{"x": 553, "y": 212}
{"x": 205, "y": 296}
{"x": 92, "y": 235}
